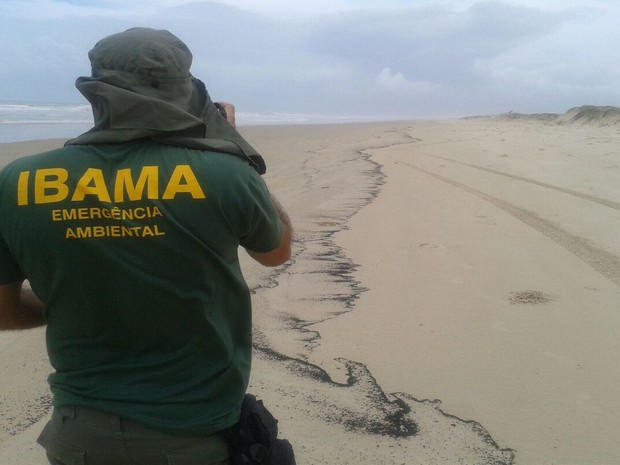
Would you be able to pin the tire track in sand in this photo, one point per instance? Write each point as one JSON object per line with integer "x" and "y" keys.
{"x": 605, "y": 263}
{"x": 581, "y": 195}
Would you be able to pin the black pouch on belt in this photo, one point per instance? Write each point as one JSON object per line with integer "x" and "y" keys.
{"x": 254, "y": 439}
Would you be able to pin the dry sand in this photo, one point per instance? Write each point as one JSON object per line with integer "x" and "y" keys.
{"x": 453, "y": 297}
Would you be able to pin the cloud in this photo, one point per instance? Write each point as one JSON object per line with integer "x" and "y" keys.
{"x": 50, "y": 10}
{"x": 436, "y": 44}
{"x": 356, "y": 57}
{"x": 396, "y": 83}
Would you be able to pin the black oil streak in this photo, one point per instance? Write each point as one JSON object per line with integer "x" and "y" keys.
{"x": 394, "y": 421}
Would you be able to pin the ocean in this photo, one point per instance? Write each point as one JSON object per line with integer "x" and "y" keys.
{"x": 28, "y": 121}
{"x": 21, "y": 121}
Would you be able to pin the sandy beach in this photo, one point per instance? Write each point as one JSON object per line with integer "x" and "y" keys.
{"x": 453, "y": 296}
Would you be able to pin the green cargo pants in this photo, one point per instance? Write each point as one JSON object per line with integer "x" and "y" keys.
{"x": 80, "y": 436}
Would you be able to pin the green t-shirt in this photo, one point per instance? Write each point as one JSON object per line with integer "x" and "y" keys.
{"x": 133, "y": 250}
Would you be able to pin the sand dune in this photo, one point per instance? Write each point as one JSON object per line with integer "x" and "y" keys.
{"x": 600, "y": 116}
{"x": 591, "y": 115}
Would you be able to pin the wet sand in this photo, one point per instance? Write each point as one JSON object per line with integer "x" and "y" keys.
{"x": 453, "y": 297}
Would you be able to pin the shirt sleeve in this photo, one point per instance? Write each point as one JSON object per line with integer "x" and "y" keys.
{"x": 264, "y": 231}
{"x": 9, "y": 270}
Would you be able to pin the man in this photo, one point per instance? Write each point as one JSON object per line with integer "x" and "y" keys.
{"x": 129, "y": 237}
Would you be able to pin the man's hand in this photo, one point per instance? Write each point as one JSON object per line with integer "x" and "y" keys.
{"x": 20, "y": 308}
{"x": 230, "y": 112}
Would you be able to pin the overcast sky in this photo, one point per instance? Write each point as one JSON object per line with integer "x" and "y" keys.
{"x": 390, "y": 58}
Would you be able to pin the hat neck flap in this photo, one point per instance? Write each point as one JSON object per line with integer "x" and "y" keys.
{"x": 176, "y": 112}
